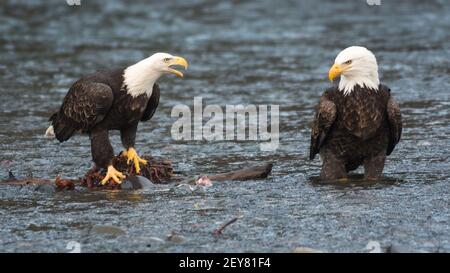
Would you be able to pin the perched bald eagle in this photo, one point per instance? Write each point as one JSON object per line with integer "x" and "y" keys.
{"x": 358, "y": 122}
{"x": 116, "y": 99}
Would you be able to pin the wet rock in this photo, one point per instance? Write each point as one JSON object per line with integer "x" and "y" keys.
{"x": 157, "y": 240}
{"x": 109, "y": 230}
{"x": 398, "y": 248}
{"x": 37, "y": 228}
{"x": 175, "y": 238}
{"x": 154, "y": 242}
{"x": 306, "y": 250}
{"x": 136, "y": 182}
{"x": 45, "y": 188}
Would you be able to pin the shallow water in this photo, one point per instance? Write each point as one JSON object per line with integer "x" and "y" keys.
{"x": 258, "y": 52}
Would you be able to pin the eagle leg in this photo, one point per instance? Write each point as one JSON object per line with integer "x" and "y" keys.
{"x": 373, "y": 167}
{"x": 132, "y": 156}
{"x": 333, "y": 168}
{"x": 113, "y": 174}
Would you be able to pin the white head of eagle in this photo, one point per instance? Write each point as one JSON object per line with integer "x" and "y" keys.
{"x": 356, "y": 65}
{"x": 140, "y": 77}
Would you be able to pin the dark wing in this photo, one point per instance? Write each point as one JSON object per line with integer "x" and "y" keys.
{"x": 323, "y": 121}
{"x": 395, "y": 124}
{"x": 152, "y": 104}
{"x": 85, "y": 105}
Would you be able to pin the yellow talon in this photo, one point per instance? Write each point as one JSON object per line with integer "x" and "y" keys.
{"x": 113, "y": 174}
{"x": 132, "y": 155}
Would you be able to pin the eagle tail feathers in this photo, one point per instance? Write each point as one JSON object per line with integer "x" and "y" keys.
{"x": 61, "y": 130}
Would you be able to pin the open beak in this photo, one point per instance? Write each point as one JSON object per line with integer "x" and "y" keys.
{"x": 335, "y": 71}
{"x": 177, "y": 61}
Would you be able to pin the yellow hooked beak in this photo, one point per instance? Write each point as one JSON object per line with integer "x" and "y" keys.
{"x": 177, "y": 61}
{"x": 335, "y": 71}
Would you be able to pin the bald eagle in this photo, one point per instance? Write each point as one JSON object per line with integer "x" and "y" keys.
{"x": 357, "y": 122}
{"x": 116, "y": 99}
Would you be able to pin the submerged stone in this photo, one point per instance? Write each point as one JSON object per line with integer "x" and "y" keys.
{"x": 109, "y": 230}
{"x": 136, "y": 182}
{"x": 306, "y": 250}
{"x": 45, "y": 188}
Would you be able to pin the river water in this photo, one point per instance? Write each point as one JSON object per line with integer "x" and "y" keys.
{"x": 251, "y": 52}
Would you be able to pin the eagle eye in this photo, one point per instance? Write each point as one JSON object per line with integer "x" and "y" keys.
{"x": 166, "y": 60}
{"x": 348, "y": 62}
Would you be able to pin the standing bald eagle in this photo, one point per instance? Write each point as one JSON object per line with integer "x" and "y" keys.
{"x": 114, "y": 99}
{"x": 358, "y": 122}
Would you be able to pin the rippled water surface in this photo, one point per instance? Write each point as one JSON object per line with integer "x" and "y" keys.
{"x": 256, "y": 52}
